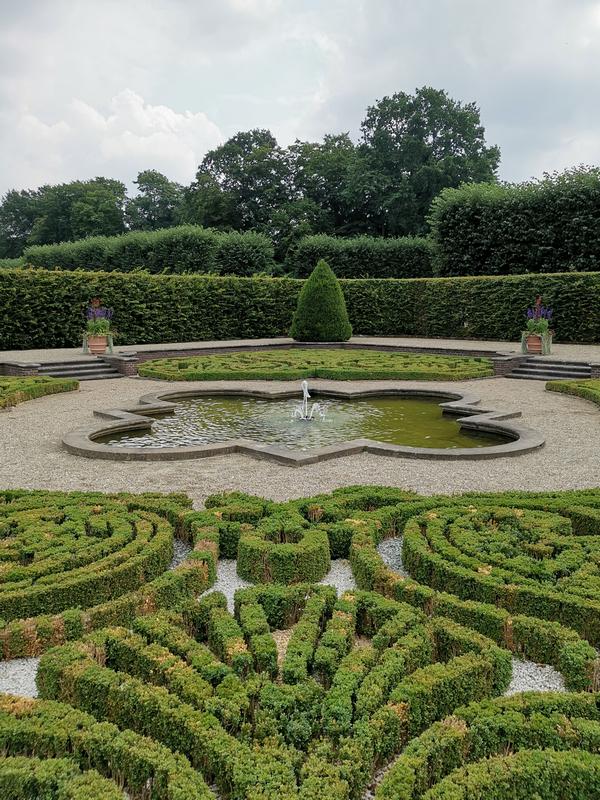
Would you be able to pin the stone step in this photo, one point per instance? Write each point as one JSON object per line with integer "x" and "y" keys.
{"x": 556, "y": 361}
{"x": 582, "y": 372}
{"x": 82, "y": 371}
{"x": 548, "y": 375}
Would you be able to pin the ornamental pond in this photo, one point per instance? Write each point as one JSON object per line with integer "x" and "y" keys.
{"x": 412, "y": 421}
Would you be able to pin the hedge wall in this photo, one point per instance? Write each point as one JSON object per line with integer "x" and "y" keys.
{"x": 545, "y": 226}
{"x": 188, "y": 248}
{"x": 363, "y": 256}
{"x": 163, "y": 308}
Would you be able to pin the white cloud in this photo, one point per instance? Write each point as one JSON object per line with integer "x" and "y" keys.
{"x": 132, "y": 136}
{"x": 92, "y": 88}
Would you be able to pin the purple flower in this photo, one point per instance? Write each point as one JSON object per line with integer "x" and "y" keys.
{"x": 99, "y": 312}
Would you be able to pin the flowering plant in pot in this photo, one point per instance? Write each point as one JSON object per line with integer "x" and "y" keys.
{"x": 537, "y": 335}
{"x": 98, "y": 327}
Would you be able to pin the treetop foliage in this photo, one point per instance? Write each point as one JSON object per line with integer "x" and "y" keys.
{"x": 412, "y": 147}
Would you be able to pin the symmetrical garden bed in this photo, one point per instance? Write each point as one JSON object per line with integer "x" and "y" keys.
{"x": 336, "y": 364}
{"x": 15, "y": 390}
{"x": 172, "y": 694}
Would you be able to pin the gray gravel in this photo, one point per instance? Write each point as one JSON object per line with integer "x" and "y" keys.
{"x": 390, "y": 551}
{"x": 32, "y": 456}
{"x": 340, "y": 576}
{"x": 531, "y": 677}
{"x": 18, "y": 676}
{"x": 181, "y": 550}
{"x": 228, "y": 581}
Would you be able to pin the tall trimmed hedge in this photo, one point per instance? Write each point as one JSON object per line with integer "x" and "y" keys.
{"x": 551, "y": 225}
{"x": 363, "y": 256}
{"x": 169, "y": 308}
{"x": 188, "y": 248}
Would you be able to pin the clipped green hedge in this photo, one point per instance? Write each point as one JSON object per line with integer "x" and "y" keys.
{"x": 588, "y": 389}
{"x": 15, "y": 390}
{"x": 52, "y": 779}
{"x": 301, "y": 695}
{"x": 188, "y": 248}
{"x": 362, "y": 256}
{"x": 60, "y": 731}
{"x": 480, "y": 731}
{"x": 529, "y": 562}
{"x": 550, "y": 225}
{"x": 296, "y": 364}
{"x": 180, "y": 308}
{"x": 279, "y": 744}
{"x": 77, "y": 561}
{"x": 282, "y": 549}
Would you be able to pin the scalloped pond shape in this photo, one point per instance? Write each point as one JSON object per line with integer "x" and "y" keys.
{"x": 394, "y": 422}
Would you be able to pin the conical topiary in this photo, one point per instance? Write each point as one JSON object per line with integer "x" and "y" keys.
{"x": 321, "y": 314}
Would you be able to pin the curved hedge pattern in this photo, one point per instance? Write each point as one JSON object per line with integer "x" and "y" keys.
{"x": 59, "y": 731}
{"x": 467, "y": 751}
{"x": 302, "y": 694}
{"x": 296, "y": 364}
{"x": 71, "y": 562}
{"x": 536, "y": 562}
{"x": 255, "y": 737}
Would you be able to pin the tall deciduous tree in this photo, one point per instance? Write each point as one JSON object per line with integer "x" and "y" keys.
{"x": 252, "y": 173}
{"x": 18, "y": 212}
{"x": 420, "y": 144}
{"x": 74, "y": 210}
{"x": 157, "y": 203}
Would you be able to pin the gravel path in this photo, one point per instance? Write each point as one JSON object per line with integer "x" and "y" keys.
{"x": 18, "y": 676}
{"x": 32, "y": 457}
{"x": 531, "y": 677}
{"x": 390, "y": 551}
{"x": 181, "y": 550}
{"x": 228, "y": 581}
{"x": 340, "y": 576}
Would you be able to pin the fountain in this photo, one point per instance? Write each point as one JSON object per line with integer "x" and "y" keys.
{"x": 302, "y": 412}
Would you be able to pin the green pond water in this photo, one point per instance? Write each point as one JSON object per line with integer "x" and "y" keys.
{"x": 415, "y": 421}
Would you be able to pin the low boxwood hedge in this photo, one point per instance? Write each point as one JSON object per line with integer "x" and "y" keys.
{"x": 302, "y": 694}
{"x": 77, "y": 561}
{"x": 588, "y": 389}
{"x": 529, "y": 562}
{"x": 53, "y": 779}
{"x": 61, "y": 731}
{"x": 289, "y": 739}
{"x": 297, "y": 364}
{"x": 15, "y": 390}
{"x": 469, "y": 741}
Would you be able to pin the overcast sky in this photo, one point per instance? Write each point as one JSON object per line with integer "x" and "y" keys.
{"x": 111, "y": 87}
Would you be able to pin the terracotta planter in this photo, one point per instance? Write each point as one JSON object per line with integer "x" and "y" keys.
{"x": 97, "y": 344}
{"x": 534, "y": 343}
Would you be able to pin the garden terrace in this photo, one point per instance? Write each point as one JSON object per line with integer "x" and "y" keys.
{"x": 335, "y": 364}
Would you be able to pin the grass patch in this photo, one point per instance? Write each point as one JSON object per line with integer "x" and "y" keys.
{"x": 15, "y": 390}
{"x": 297, "y": 364}
{"x": 589, "y": 390}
